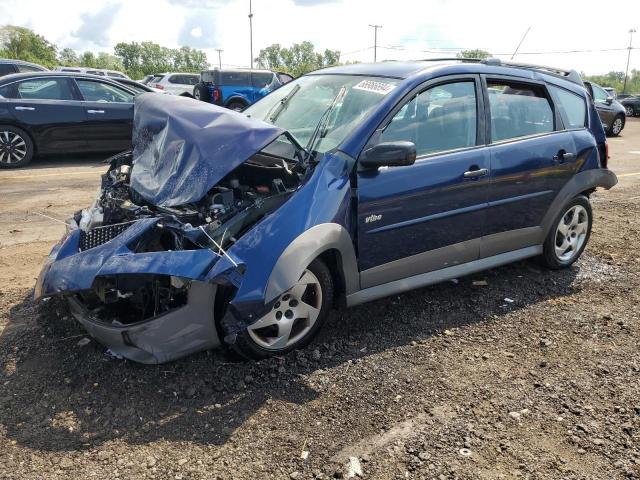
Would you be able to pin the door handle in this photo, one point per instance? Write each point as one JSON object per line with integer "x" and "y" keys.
{"x": 563, "y": 156}
{"x": 479, "y": 172}
{"x": 25, "y": 108}
{"x": 95, "y": 111}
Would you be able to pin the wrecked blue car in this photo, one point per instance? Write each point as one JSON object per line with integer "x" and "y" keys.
{"x": 346, "y": 185}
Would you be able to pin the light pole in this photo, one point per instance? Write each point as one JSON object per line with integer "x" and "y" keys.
{"x": 631, "y": 32}
{"x": 375, "y": 40}
{"x": 219, "y": 50}
{"x": 251, "y": 33}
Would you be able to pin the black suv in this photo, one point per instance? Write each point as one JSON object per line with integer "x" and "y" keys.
{"x": 9, "y": 66}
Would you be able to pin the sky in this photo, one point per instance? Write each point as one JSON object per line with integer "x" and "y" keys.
{"x": 411, "y": 29}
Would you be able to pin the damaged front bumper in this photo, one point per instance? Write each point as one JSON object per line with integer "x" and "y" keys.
{"x": 103, "y": 282}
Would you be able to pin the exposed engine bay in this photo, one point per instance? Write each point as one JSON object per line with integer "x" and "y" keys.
{"x": 243, "y": 197}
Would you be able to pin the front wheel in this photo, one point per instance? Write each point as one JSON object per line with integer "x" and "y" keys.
{"x": 569, "y": 234}
{"x": 616, "y": 126}
{"x": 295, "y": 318}
{"x": 629, "y": 110}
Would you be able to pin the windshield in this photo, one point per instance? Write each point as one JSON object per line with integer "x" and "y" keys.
{"x": 299, "y": 106}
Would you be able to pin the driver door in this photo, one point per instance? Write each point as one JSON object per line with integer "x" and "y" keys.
{"x": 430, "y": 215}
{"x": 108, "y": 112}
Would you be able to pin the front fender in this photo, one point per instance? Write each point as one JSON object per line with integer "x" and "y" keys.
{"x": 307, "y": 247}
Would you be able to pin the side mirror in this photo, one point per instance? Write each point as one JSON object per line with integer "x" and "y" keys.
{"x": 389, "y": 154}
{"x": 609, "y": 100}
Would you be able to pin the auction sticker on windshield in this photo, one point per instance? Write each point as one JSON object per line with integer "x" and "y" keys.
{"x": 376, "y": 87}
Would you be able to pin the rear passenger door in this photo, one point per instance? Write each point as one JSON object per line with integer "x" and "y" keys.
{"x": 532, "y": 158}
{"x": 429, "y": 215}
{"x": 108, "y": 111}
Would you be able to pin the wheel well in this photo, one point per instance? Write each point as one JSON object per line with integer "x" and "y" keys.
{"x": 587, "y": 193}
{"x": 236, "y": 100}
{"x": 333, "y": 260}
{"x": 186, "y": 94}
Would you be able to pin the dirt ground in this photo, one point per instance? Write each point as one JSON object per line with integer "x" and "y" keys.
{"x": 534, "y": 375}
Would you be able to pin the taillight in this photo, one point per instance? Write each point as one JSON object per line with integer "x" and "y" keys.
{"x": 158, "y": 85}
{"x": 215, "y": 95}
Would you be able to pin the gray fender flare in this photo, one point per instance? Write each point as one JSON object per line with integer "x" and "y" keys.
{"x": 306, "y": 248}
{"x": 580, "y": 182}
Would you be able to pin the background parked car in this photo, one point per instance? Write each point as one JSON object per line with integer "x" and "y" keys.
{"x": 622, "y": 96}
{"x": 58, "y": 112}
{"x": 146, "y": 79}
{"x": 9, "y": 66}
{"x": 175, "y": 83}
{"x": 93, "y": 71}
{"x": 612, "y": 113}
{"x": 137, "y": 87}
{"x": 237, "y": 89}
{"x": 631, "y": 105}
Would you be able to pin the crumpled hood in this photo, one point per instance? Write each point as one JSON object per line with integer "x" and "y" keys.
{"x": 184, "y": 147}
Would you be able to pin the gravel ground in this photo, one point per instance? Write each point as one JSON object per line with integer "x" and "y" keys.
{"x": 517, "y": 372}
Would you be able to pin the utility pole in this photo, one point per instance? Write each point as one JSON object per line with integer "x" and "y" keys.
{"x": 519, "y": 44}
{"x": 251, "y": 33}
{"x": 631, "y": 32}
{"x": 375, "y": 40}
{"x": 219, "y": 50}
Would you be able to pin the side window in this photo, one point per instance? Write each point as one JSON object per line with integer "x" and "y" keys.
{"x": 261, "y": 80}
{"x": 573, "y": 107}
{"x": 439, "y": 119}
{"x": 43, "y": 89}
{"x": 191, "y": 79}
{"x": 28, "y": 68}
{"x": 518, "y": 110}
{"x": 93, "y": 91}
{"x": 6, "y": 69}
{"x": 176, "y": 79}
{"x": 233, "y": 79}
{"x": 599, "y": 95}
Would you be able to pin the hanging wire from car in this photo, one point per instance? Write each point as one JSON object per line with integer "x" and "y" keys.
{"x": 219, "y": 247}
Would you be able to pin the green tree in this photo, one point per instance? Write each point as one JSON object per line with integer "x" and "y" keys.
{"x": 476, "y": 53}
{"x": 146, "y": 58}
{"x": 68, "y": 58}
{"x": 24, "y": 44}
{"x": 297, "y": 60}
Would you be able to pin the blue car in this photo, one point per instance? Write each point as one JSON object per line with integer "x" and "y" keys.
{"x": 347, "y": 185}
{"x": 237, "y": 89}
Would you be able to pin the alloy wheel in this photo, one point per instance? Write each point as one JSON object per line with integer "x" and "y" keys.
{"x": 616, "y": 128}
{"x": 571, "y": 233}
{"x": 13, "y": 148}
{"x": 292, "y": 317}
{"x": 629, "y": 110}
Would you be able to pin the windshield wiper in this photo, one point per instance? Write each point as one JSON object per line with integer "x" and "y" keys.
{"x": 321, "y": 128}
{"x": 277, "y": 109}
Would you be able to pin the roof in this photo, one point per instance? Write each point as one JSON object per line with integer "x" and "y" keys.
{"x": 17, "y": 76}
{"x": 404, "y": 70}
{"x": 21, "y": 62}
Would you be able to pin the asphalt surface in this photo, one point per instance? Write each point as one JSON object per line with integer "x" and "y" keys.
{"x": 518, "y": 372}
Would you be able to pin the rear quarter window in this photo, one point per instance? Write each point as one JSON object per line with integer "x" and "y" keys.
{"x": 235, "y": 79}
{"x": 6, "y": 69}
{"x": 573, "y": 107}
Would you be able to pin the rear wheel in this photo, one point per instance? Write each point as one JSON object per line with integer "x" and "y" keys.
{"x": 616, "y": 126}
{"x": 629, "y": 110}
{"x": 16, "y": 148}
{"x": 237, "y": 106}
{"x": 569, "y": 235}
{"x": 296, "y": 316}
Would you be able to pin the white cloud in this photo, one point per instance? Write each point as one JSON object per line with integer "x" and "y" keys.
{"x": 412, "y": 29}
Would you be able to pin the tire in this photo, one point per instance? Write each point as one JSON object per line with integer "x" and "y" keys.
{"x": 16, "y": 147}
{"x": 263, "y": 338}
{"x": 201, "y": 92}
{"x": 576, "y": 219}
{"x": 616, "y": 126}
{"x": 630, "y": 111}
{"x": 236, "y": 106}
